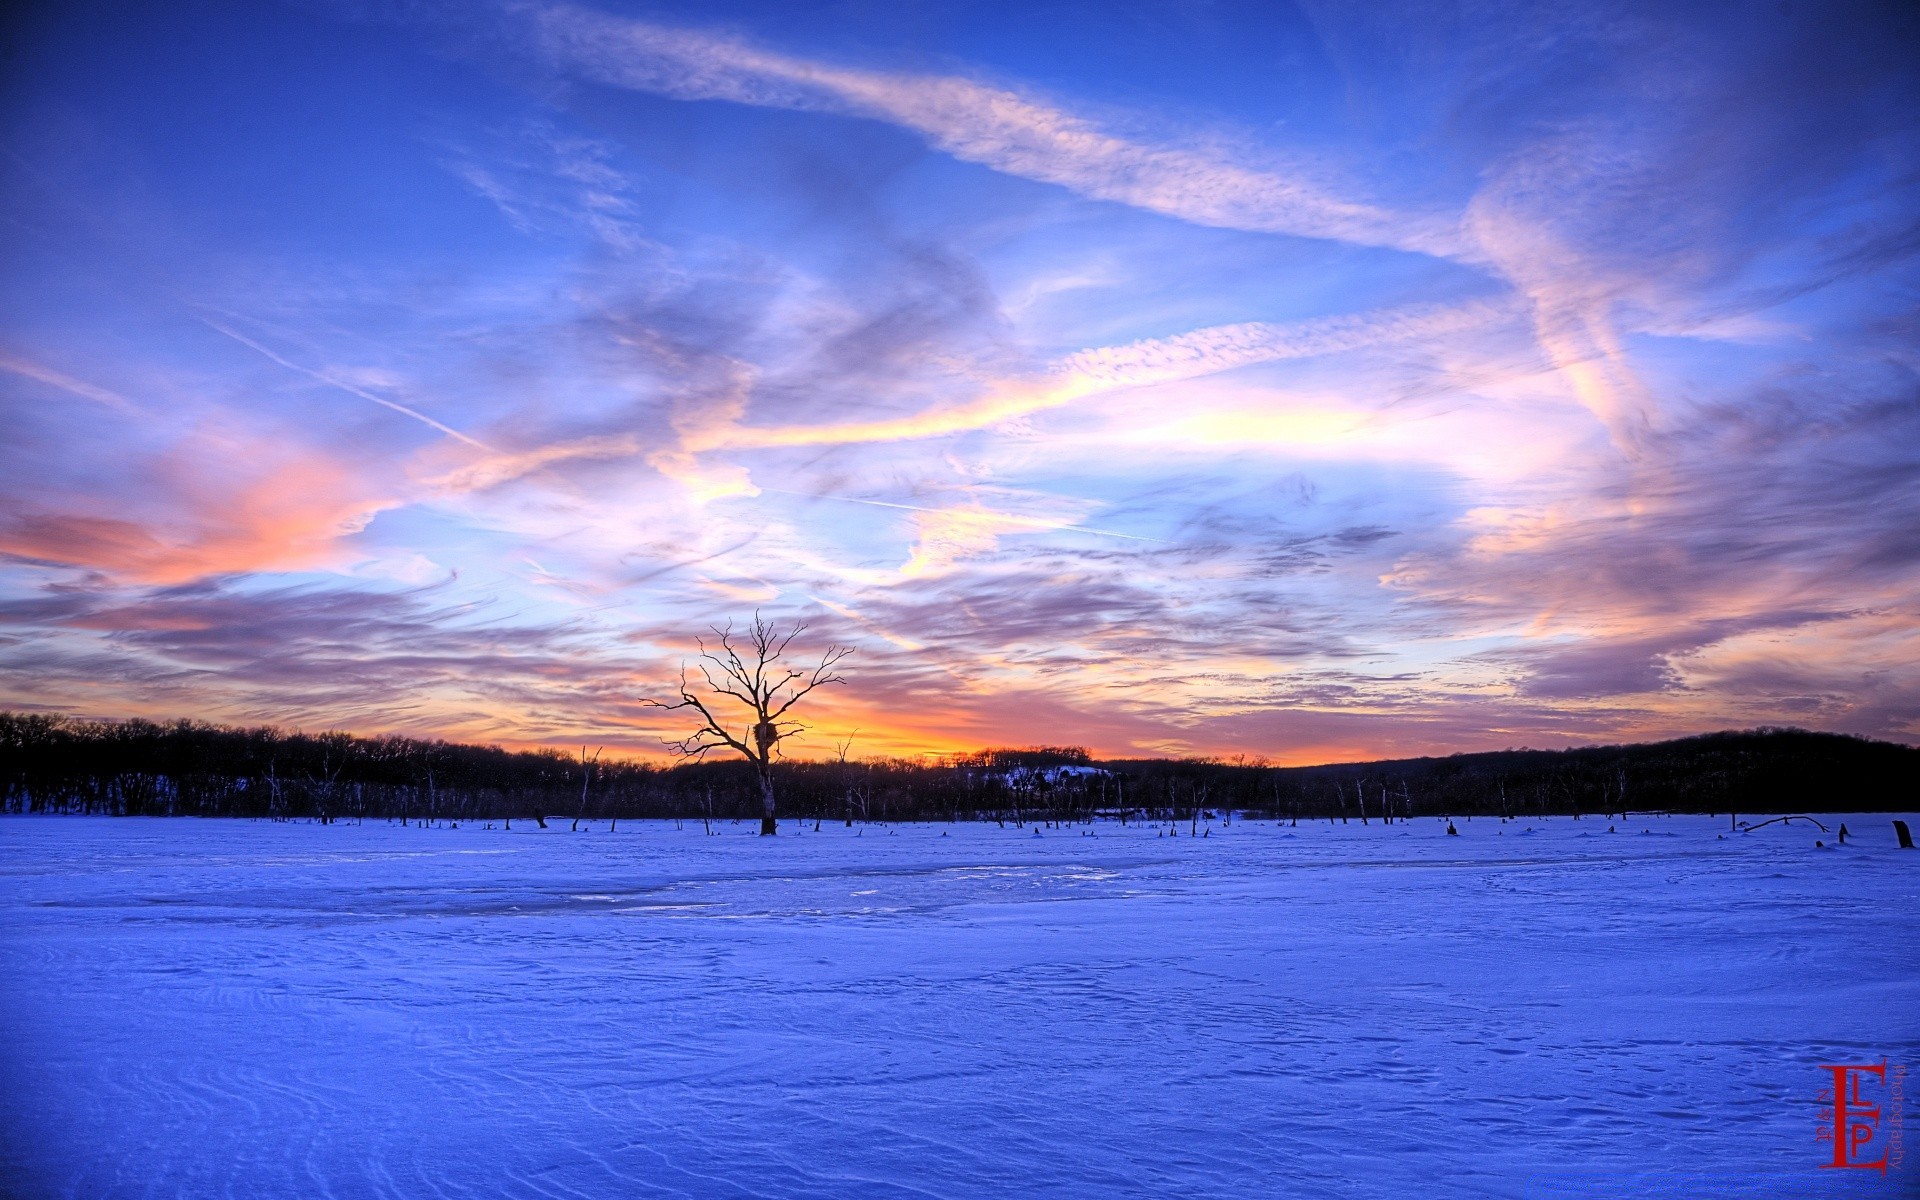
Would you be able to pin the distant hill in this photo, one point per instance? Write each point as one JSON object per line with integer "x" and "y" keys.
{"x": 1763, "y": 770}
{"x": 53, "y": 764}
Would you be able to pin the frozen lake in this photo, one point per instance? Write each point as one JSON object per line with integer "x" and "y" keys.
{"x": 237, "y": 1008}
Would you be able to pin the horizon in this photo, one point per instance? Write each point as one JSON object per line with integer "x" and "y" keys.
{"x": 668, "y": 761}
{"x": 1186, "y": 382}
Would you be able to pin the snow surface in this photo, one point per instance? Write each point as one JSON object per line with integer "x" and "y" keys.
{"x": 237, "y": 1008}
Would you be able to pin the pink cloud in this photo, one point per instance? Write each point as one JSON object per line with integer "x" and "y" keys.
{"x": 215, "y": 504}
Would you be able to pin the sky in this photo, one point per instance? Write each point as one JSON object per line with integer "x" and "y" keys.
{"x": 1314, "y": 381}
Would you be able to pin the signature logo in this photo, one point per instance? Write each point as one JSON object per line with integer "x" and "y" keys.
{"x": 1851, "y": 1120}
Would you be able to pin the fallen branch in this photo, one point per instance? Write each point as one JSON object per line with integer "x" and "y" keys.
{"x": 1778, "y": 820}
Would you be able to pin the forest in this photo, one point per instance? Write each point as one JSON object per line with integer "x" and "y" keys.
{"x": 54, "y": 764}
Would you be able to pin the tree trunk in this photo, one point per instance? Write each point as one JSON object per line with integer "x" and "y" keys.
{"x": 767, "y": 827}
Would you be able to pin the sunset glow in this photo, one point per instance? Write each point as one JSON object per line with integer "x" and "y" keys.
{"x": 1317, "y": 382}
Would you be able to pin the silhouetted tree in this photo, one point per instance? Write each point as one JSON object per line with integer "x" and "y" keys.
{"x": 753, "y": 675}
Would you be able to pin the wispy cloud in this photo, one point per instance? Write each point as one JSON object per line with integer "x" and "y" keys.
{"x": 978, "y": 123}
{"x": 1093, "y": 372}
{"x": 550, "y": 182}
{"x": 498, "y": 467}
{"x": 709, "y": 420}
{"x": 66, "y": 383}
{"x": 314, "y": 654}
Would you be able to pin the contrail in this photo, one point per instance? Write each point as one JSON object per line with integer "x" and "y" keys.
{"x": 691, "y": 562}
{"x": 347, "y": 387}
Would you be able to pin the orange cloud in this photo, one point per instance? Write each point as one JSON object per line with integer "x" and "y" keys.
{"x": 221, "y": 504}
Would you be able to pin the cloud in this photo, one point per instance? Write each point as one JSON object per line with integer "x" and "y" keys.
{"x": 425, "y": 660}
{"x": 1093, "y": 372}
{"x": 946, "y": 536}
{"x": 497, "y": 468}
{"x": 713, "y": 391}
{"x": 217, "y": 503}
{"x": 994, "y": 127}
{"x": 65, "y": 383}
{"x": 1761, "y": 525}
{"x": 547, "y": 181}
{"x": 1573, "y": 310}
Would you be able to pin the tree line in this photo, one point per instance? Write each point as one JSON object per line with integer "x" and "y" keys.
{"x": 54, "y": 764}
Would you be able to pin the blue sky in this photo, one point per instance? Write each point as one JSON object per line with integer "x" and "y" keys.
{"x": 1313, "y": 381}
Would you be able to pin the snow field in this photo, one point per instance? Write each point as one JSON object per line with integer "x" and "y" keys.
{"x": 1534, "y": 1009}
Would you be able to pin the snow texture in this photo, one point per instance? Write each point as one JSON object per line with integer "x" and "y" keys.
{"x": 1544, "y": 1009}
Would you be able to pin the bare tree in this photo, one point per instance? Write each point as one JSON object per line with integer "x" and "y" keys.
{"x": 327, "y": 781}
{"x": 840, "y": 753}
{"x": 748, "y": 669}
{"x": 586, "y": 777}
